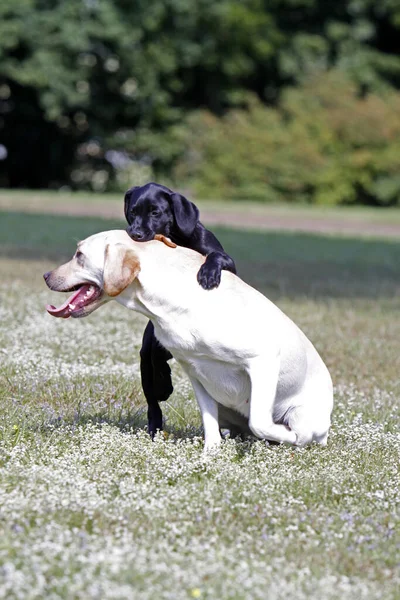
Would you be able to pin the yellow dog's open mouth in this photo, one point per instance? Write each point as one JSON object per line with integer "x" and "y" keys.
{"x": 83, "y": 296}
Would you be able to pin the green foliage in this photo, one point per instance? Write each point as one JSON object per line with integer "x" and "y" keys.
{"x": 78, "y": 79}
{"x": 325, "y": 144}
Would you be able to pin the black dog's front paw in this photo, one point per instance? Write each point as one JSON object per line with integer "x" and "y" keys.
{"x": 209, "y": 276}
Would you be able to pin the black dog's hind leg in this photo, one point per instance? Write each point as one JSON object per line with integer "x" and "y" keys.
{"x": 156, "y": 377}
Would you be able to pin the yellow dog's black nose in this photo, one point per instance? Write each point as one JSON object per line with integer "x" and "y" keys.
{"x": 47, "y": 275}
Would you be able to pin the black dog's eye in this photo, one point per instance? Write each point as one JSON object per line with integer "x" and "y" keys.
{"x": 154, "y": 212}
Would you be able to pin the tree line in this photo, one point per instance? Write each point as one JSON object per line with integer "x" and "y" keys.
{"x": 268, "y": 99}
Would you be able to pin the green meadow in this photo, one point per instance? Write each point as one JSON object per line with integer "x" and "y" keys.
{"x": 91, "y": 508}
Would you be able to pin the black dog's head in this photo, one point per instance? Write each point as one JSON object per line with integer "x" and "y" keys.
{"x": 154, "y": 208}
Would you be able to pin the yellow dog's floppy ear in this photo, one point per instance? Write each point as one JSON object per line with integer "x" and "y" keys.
{"x": 121, "y": 266}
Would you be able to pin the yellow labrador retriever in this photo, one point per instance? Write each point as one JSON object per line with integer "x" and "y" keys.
{"x": 251, "y": 367}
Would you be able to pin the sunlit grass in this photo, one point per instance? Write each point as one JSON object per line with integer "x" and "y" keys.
{"x": 91, "y": 508}
{"x": 43, "y": 201}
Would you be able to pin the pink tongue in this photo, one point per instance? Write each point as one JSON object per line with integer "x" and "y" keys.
{"x": 64, "y": 310}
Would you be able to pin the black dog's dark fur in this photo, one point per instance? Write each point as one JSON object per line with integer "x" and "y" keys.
{"x": 152, "y": 209}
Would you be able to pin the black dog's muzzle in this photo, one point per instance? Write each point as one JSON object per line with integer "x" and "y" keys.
{"x": 138, "y": 235}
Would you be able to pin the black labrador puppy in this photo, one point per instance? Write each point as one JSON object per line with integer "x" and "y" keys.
{"x": 154, "y": 209}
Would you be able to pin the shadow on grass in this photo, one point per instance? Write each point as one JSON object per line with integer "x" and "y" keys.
{"x": 47, "y": 405}
{"x": 278, "y": 263}
{"x": 130, "y": 422}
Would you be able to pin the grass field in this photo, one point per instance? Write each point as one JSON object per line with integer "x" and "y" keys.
{"x": 350, "y": 219}
{"x": 91, "y": 508}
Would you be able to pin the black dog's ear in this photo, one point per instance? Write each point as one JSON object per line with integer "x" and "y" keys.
{"x": 127, "y": 201}
{"x": 186, "y": 214}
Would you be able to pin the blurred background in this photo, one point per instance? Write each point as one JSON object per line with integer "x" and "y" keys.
{"x": 267, "y": 100}
{"x": 281, "y": 119}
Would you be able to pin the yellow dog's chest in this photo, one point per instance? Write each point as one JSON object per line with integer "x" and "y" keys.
{"x": 228, "y": 384}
